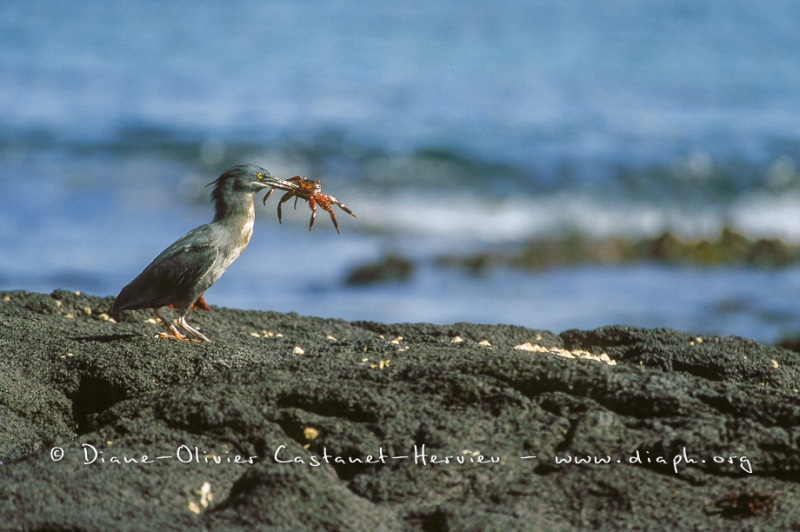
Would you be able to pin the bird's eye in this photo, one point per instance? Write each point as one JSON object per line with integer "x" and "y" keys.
{"x": 260, "y": 175}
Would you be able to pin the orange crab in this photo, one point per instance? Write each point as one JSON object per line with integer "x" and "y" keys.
{"x": 311, "y": 191}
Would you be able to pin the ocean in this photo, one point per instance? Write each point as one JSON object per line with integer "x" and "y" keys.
{"x": 448, "y": 126}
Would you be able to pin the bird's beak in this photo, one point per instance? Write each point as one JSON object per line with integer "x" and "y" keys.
{"x": 275, "y": 182}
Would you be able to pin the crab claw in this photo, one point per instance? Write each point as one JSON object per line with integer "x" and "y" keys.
{"x": 282, "y": 184}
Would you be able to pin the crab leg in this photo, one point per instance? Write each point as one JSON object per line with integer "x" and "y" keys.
{"x": 286, "y": 197}
{"x": 333, "y": 219}
{"x": 313, "y": 206}
{"x": 345, "y": 209}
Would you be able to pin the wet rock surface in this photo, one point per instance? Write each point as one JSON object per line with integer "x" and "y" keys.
{"x": 292, "y": 421}
{"x": 728, "y": 249}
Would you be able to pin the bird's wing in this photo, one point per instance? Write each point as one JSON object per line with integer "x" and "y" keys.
{"x": 172, "y": 277}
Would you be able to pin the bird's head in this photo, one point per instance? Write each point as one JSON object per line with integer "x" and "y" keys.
{"x": 240, "y": 182}
{"x": 247, "y": 179}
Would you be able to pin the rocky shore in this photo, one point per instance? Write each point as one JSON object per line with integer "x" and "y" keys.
{"x": 728, "y": 249}
{"x": 288, "y": 421}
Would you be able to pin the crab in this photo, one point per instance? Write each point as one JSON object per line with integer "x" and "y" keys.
{"x": 311, "y": 191}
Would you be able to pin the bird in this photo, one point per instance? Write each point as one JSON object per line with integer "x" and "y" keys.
{"x": 181, "y": 273}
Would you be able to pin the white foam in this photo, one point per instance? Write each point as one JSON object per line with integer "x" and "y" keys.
{"x": 465, "y": 217}
{"x": 768, "y": 215}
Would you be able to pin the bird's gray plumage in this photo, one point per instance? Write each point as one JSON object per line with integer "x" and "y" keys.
{"x": 176, "y": 277}
{"x": 181, "y": 273}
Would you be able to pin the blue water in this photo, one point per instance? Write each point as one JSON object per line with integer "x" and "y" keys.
{"x": 447, "y": 126}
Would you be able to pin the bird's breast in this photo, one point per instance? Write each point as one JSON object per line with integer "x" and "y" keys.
{"x": 247, "y": 232}
{"x": 243, "y": 233}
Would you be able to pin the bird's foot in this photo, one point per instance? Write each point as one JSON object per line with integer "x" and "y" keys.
{"x": 173, "y": 336}
{"x": 191, "y": 331}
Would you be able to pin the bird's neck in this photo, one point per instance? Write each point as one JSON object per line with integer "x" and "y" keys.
{"x": 241, "y": 209}
{"x": 239, "y": 217}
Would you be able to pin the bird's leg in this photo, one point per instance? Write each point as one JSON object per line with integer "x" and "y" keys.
{"x": 175, "y": 334}
{"x": 200, "y": 304}
{"x": 200, "y": 337}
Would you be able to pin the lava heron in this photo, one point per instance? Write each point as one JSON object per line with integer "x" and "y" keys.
{"x": 187, "y": 268}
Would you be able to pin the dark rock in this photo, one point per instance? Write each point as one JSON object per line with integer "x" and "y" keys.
{"x": 388, "y": 269}
{"x": 678, "y": 433}
{"x": 730, "y": 248}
